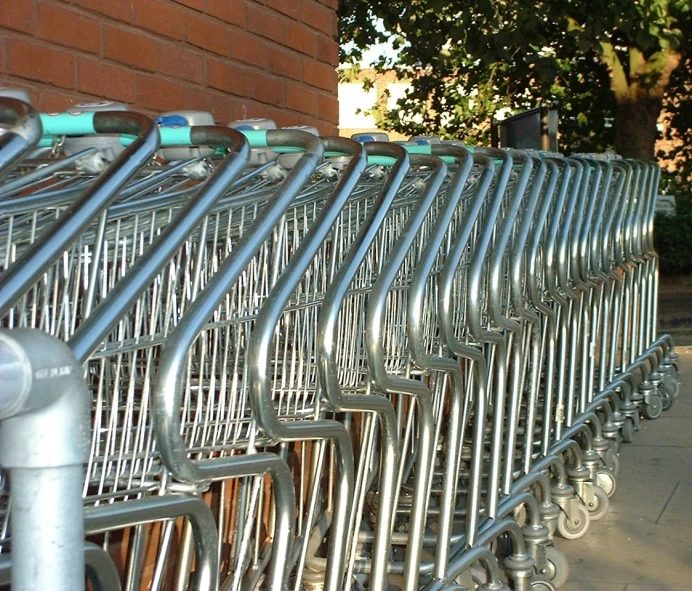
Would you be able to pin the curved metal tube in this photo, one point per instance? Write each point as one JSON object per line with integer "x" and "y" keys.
{"x": 100, "y": 569}
{"x": 393, "y": 384}
{"x": 17, "y": 142}
{"x": 446, "y": 320}
{"x": 167, "y": 394}
{"x": 110, "y": 516}
{"x": 260, "y": 351}
{"x": 29, "y": 267}
{"x": 480, "y": 554}
{"x": 329, "y": 371}
{"x": 93, "y": 330}
{"x": 419, "y": 355}
{"x": 496, "y": 338}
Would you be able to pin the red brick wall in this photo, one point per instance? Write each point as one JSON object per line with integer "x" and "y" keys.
{"x": 235, "y": 58}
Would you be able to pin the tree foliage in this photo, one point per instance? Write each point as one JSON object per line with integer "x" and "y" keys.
{"x": 603, "y": 61}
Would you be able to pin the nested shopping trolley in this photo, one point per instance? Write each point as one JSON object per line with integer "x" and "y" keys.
{"x": 307, "y": 363}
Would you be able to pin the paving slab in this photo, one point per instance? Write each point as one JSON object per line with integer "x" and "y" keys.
{"x": 678, "y": 509}
{"x": 649, "y": 463}
{"x": 644, "y": 553}
{"x": 639, "y": 500}
{"x": 644, "y": 543}
{"x": 668, "y": 431}
{"x": 591, "y": 586}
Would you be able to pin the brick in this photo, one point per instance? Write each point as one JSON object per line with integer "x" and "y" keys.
{"x": 328, "y": 50}
{"x": 266, "y": 89}
{"x": 249, "y": 49}
{"x": 33, "y": 89}
{"x": 161, "y": 16}
{"x": 265, "y": 23}
{"x": 238, "y": 110}
{"x": 281, "y": 118}
{"x": 177, "y": 61}
{"x": 207, "y": 34}
{"x": 318, "y": 16}
{"x": 328, "y": 108}
{"x": 37, "y": 62}
{"x": 122, "y": 10}
{"x": 105, "y": 80}
{"x": 321, "y": 126}
{"x": 159, "y": 94}
{"x": 333, "y": 4}
{"x": 66, "y": 27}
{"x": 18, "y": 15}
{"x": 202, "y": 99}
{"x": 196, "y": 4}
{"x": 54, "y": 102}
{"x": 300, "y": 38}
{"x": 133, "y": 49}
{"x": 228, "y": 77}
{"x": 229, "y": 11}
{"x": 291, "y": 8}
{"x": 301, "y": 99}
{"x": 320, "y": 75}
{"x": 284, "y": 62}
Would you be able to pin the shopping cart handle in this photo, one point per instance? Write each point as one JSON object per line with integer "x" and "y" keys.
{"x": 68, "y": 123}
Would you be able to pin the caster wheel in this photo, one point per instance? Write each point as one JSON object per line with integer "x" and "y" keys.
{"x": 542, "y": 586}
{"x": 503, "y": 547}
{"x": 478, "y": 576}
{"x": 654, "y": 409}
{"x": 628, "y": 430}
{"x": 557, "y": 569}
{"x": 572, "y": 529}
{"x": 605, "y": 480}
{"x": 612, "y": 462}
{"x": 666, "y": 399}
{"x": 601, "y": 502}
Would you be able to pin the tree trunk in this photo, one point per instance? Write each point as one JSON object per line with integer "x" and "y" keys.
{"x": 635, "y": 127}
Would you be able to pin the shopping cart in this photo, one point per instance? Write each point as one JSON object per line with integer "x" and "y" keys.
{"x": 340, "y": 366}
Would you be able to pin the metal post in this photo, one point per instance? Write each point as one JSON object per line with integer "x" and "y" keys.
{"x": 44, "y": 442}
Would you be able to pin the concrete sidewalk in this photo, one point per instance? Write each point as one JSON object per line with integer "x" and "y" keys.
{"x": 644, "y": 543}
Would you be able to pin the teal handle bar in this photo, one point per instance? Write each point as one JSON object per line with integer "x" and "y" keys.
{"x": 66, "y": 124}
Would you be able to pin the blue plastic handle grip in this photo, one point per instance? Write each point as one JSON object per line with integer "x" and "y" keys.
{"x": 171, "y": 120}
{"x": 68, "y": 124}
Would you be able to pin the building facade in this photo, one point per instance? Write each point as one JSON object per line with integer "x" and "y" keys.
{"x": 235, "y": 58}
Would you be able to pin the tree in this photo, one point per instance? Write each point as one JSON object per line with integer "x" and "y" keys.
{"x": 600, "y": 59}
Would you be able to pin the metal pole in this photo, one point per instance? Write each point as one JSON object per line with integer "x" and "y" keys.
{"x": 44, "y": 443}
{"x": 47, "y": 528}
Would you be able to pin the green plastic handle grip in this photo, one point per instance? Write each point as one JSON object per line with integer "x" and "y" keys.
{"x": 68, "y": 124}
